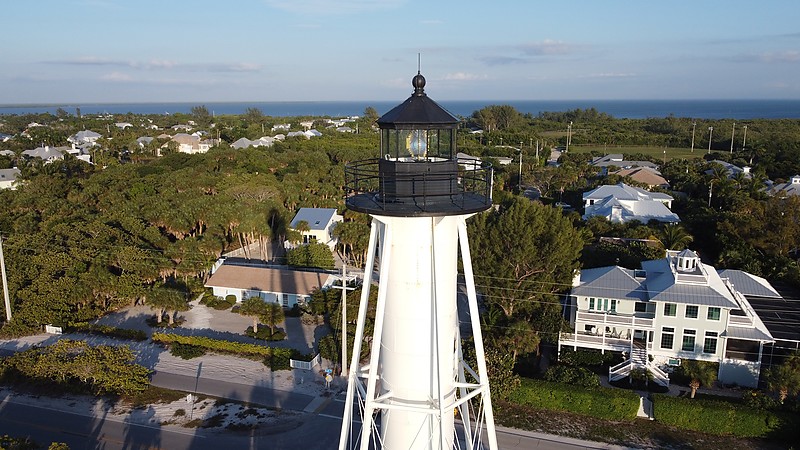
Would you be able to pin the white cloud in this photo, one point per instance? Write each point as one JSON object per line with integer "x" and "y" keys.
{"x": 788, "y": 56}
{"x": 160, "y": 64}
{"x": 331, "y": 7}
{"x": 546, "y": 47}
{"x": 431, "y": 22}
{"x": 463, "y": 76}
{"x": 609, "y": 75}
{"x": 117, "y": 77}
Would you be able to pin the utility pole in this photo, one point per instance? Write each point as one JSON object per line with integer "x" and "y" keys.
{"x": 733, "y": 134}
{"x": 5, "y": 281}
{"x": 344, "y": 289}
{"x": 519, "y": 180}
{"x": 710, "y": 189}
{"x": 744, "y": 139}
{"x": 710, "y": 130}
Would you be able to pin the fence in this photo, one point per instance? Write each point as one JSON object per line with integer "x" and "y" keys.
{"x": 307, "y": 365}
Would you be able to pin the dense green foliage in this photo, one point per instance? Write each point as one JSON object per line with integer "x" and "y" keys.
{"x": 524, "y": 255}
{"x": 102, "y": 369}
{"x": 220, "y": 346}
{"x": 315, "y": 255}
{"x": 600, "y": 402}
{"x": 583, "y": 357}
{"x": 106, "y": 330}
{"x": 722, "y": 417}
{"x": 575, "y": 376}
{"x": 186, "y": 351}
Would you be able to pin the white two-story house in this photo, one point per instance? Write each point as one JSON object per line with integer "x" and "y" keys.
{"x": 673, "y": 309}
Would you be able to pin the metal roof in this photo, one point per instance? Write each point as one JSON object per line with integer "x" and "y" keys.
{"x": 747, "y": 333}
{"x": 610, "y": 282}
{"x": 317, "y": 218}
{"x": 749, "y": 284}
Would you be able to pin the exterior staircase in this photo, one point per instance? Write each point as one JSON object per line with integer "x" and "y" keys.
{"x": 637, "y": 360}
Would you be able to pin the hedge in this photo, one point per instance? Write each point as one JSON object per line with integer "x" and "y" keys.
{"x": 725, "y": 418}
{"x": 600, "y": 402}
{"x": 221, "y": 346}
{"x": 106, "y": 330}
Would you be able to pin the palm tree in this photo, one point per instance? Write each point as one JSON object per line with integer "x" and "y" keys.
{"x": 302, "y": 227}
{"x": 272, "y": 316}
{"x": 785, "y": 378}
{"x": 164, "y": 299}
{"x": 701, "y": 373}
{"x": 253, "y": 307}
{"x": 674, "y": 237}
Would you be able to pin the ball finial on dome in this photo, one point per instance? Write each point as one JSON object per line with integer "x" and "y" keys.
{"x": 419, "y": 84}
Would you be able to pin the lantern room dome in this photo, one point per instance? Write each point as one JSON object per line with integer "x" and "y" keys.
{"x": 418, "y": 111}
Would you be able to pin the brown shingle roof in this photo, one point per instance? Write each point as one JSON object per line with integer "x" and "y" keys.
{"x": 267, "y": 280}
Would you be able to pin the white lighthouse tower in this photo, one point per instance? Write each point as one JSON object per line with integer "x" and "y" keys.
{"x": 415, "y": 390}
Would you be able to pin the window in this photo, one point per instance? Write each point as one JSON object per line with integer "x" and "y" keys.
{"x": 688, "y": 340}
{"x": 670, "y": 309}
{"x": 713, "y": 313}
{"x": 710, "y": 344}
{"x": 667, "y": 337}
{"x": 640, "y": 307}
{"x": 602, "y": 304}
{"x": 692, "y": 311}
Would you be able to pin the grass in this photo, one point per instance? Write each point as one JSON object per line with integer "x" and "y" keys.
{"x": 639, "y": 433}
{"x": 652, "y": 151}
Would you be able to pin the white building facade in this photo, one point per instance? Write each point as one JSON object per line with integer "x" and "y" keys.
{"x": 673, "y": 309}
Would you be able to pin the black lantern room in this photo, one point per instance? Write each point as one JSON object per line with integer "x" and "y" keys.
{"x": 417, "y": 172}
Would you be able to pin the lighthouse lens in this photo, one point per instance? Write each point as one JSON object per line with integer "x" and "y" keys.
{"x": 417, "y": 143}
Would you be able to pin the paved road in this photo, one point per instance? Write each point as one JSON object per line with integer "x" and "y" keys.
{"x": 258, "y": 395}
{"x": 319, "y": 432}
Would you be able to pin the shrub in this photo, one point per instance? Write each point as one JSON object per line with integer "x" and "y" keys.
{"x": 106, "y": 330}
{"x": 186, "y": 351}
{"x": 577, "y": 376}
{"x": 725, "y": 418}
{"x": 600, "y": 402}
{"x": 221, "y": 346}
{"x": 278, "y": 361}
{"x": 264, "y": 333}
{"x": 220, "y": 303}
{"x": 759, "y": 400}
{"x": 584, "y": 357}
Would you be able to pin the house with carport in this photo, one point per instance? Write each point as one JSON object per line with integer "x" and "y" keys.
{"x": 673, "y": 309}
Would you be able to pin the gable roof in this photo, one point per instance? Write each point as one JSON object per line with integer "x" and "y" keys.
{"x": 267, "y": 280}
{"x": 646, "y": 175}
{"x": 9, "y": 174}
{"x": 317, "y": 218}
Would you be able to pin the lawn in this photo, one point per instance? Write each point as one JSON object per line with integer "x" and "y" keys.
{"x": 652, "y": 151}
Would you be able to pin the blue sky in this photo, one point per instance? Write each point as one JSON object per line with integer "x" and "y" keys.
{"x": 298, "y": 50}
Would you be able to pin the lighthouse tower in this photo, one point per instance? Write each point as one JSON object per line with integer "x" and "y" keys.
{"x": 414, "y": 390}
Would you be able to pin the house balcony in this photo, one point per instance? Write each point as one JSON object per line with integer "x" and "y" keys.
{"x": 602, "y": 341}
{"x": 638, "y": 321}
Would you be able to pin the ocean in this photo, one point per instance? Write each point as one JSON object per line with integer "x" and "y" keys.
{"x": 630, "y": 109}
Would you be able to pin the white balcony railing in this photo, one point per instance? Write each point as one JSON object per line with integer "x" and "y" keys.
{"x": 645, "y": 320}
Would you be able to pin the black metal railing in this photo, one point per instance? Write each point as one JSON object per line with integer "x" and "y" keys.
{"x": 409, "y": 187}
